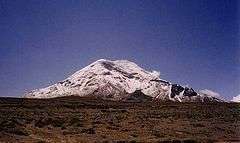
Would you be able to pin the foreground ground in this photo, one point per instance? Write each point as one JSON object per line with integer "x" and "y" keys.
{"x": 76, "y": 119}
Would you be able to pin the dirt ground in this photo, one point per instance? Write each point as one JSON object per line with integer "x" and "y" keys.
{"x": 77, "y": 119}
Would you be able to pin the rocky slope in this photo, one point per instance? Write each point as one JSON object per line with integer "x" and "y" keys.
{"x": 118, "y": 80}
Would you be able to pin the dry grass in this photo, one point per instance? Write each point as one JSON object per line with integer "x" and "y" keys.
{"x": 76, "y": 119}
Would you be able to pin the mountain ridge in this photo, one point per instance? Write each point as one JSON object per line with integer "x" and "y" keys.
{"x": 117, "y": 79}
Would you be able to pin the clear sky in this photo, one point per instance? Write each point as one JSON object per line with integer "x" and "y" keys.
{"x": 194, "y": 42}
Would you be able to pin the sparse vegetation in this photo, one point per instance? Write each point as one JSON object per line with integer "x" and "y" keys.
{"x": 77, "y": 119}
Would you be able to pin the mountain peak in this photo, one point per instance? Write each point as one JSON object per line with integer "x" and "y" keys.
{"x": 115, "y": 80}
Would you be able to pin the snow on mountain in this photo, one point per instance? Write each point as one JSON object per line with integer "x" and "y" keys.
{"x": 116, "y": 80}
{"x": 236, "y": 98}
{"x": 211, "y": 95}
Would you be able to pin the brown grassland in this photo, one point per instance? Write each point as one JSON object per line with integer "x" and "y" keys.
{"x": 78, "y": 119}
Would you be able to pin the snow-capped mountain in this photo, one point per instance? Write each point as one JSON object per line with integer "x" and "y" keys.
{"x": 117, "y": 80}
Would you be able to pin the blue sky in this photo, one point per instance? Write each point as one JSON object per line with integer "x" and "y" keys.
{"x": 194, "y": 42}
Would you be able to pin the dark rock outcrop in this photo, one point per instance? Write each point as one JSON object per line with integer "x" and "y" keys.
{"x": 189, "y": 92}
{"x": 176, "y": 90}
{"x": 138, "y": 96}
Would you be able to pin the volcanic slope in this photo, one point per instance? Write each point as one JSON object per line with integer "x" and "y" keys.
{"x": 116, "y": 80}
